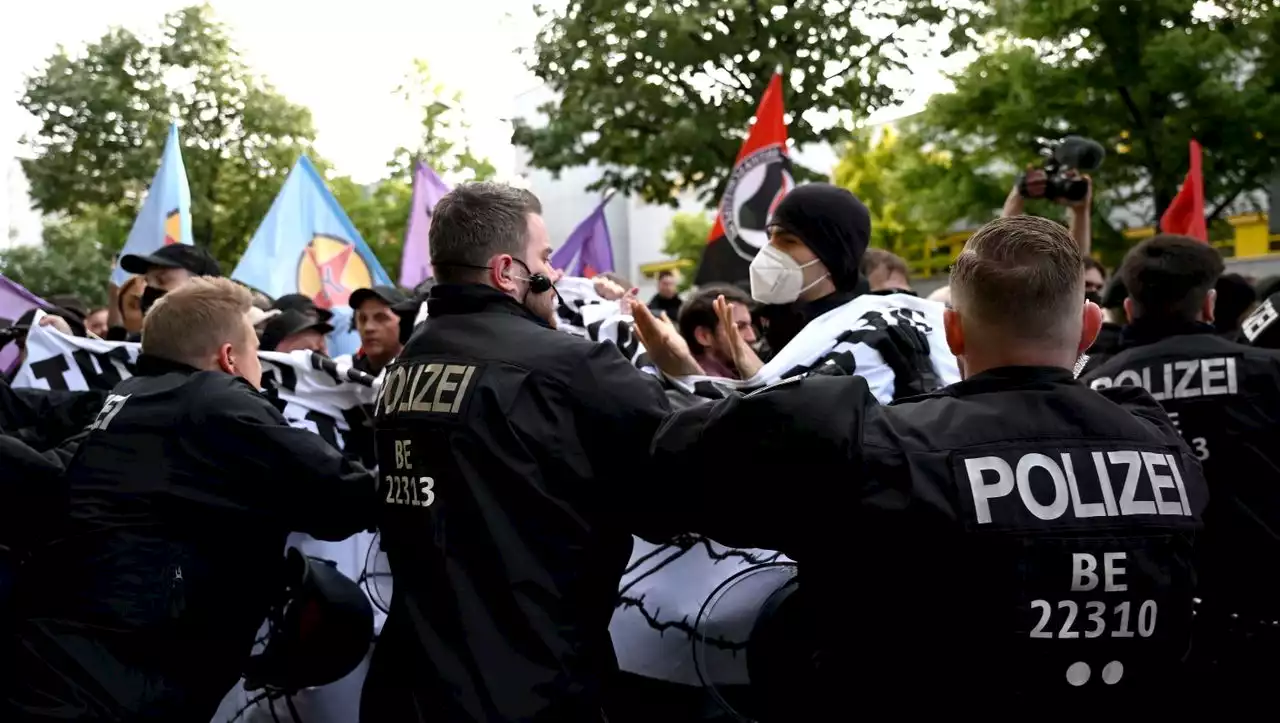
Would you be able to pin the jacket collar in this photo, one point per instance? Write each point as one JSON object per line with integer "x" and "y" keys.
{"x": 453, "y": 299}
{"x": 153, "y": 366}
{"x": 1149, "y": 331}
{"x": 1009, "y": 378}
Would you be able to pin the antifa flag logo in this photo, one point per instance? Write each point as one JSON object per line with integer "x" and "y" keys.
{"x": 754, "y": 190}
{"x": 329, "y": 270}
{"x": 761, "y": 177}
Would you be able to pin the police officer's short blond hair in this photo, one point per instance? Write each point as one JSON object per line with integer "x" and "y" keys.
{"x": 1023, "y": 275}
{"x": 191, "y": 323}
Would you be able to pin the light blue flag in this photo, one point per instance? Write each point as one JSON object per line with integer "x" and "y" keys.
{"x": 165, "y": 217}
{"x": 307, "y": 245}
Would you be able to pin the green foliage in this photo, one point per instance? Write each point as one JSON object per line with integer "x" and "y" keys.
{"x": 1141, "y": 78}
{"x": 104, "y": 113}
{"x": 686, "y": 238}
{"x": 660, "y": 94}
{"x": 71, "y": 260}
{"x": 443, "y": 144}
{"x": 877, "y": 172}
{"x": 380, "y": 213}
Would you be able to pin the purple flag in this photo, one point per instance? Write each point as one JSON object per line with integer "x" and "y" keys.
{"x": 14, "y": 302}
{"x": 415, "y": 263}
{"x": 589, "y": 249}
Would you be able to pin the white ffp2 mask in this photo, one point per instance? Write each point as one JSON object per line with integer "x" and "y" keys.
{"x": 776, "y": 278}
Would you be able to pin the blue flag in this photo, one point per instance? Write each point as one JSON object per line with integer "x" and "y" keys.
{"x": 165, "y": 217}
{"x": 307, "y": 245}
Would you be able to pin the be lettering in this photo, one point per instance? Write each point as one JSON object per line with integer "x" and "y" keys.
{"x": 1084, "y": 572}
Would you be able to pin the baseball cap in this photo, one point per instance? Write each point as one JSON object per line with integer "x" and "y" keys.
{"x": 304, "y": 304}
{"x": 174, "y": 256}
{"x": 389, "y": 295}
{"x": 286, "y": 324}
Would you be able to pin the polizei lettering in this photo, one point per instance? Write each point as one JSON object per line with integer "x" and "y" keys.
{"x": 1179, "y": 379}
{"x": 1021, "y": 489}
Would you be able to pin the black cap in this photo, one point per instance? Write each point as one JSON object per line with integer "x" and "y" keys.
{"x": 833, "y": 223}
{"x": 389, "y": 295}
{"x": 286, "y": 324}
{"x": 174, "y": 256}
{"x": 298, "y": 302}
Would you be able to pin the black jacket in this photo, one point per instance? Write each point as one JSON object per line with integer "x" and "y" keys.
{"x": 1225, "y": 398}
{"x": 179, "y": 500}
{"x": 44, "y": 418}
{"x": 937, "y": 536}
{"x": 513, "y": 476}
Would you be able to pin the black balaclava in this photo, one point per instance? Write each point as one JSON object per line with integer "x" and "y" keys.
{"x": 836, "y": 226}
{"x": 833, "y": 223}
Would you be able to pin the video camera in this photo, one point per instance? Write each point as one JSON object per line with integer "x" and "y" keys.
{"x": 1071, "y": 153}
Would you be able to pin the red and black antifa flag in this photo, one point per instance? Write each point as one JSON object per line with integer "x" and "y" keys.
{"x": 761, "y": 177}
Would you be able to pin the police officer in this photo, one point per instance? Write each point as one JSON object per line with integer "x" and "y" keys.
{"x": 1225, "y": 398}
{"x": 145, "y": 604}
{"x": 1009, "y": 542}
{"x": 512, "y": 478}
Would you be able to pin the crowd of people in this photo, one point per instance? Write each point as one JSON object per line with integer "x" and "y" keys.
{"x": 1054, "y": 487}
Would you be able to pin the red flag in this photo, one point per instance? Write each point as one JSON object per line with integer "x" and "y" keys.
{"x": 1185, "y": 216}
{"x": 761, "y": 177}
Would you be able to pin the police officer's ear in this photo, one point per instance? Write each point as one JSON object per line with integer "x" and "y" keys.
{"x": 503, "y": 272}
{"x": 1091, "y": 324}
{"x": 954, "y": 331}
{"x": 1210, "y": 301}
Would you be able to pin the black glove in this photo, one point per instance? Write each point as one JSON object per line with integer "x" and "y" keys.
{"x": 906, "y": 350}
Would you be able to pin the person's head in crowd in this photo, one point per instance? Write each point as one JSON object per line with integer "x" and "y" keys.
{"x": 303, "y": 304}
{"x": 377, "y": 323}
{"x": 129, "y": 302}
{"x": 817, "y": 237}
{"x": 493, "y": 234}
{"x": 668, "y": 284}
{"x": 622, "y": 281}
{"x": 885, "y": 270}
{"x": 69, "y": 303}
{"x": 168, "y": 268}
{"x": 293, "y": 330}
{"x": 1017, "y": 298}
{"x": 1267, "y": 287}
{"x": 700, "y": 326}
{"x": 1170, "y": 280}
{"x": 205, "y": 324}
{"x": 1095, "y": 279}
{"x": 95, "y": 322}
{"x": 1113, "y": 302}
{"x": 261, "y": 301}
{"x": 1236, "y": 299}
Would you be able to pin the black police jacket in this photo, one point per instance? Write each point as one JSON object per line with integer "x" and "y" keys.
{"x": 1225, "y": 399}
{"x": 512, "y": 462}
{"x": 1009, "y": 542}
{"x": 179, "y": 500}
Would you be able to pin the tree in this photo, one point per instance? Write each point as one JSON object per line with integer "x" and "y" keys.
{"x": 380, "y": 212}
{"x": 1141, "y": 78}
{"x": 443, "y": 144}
{"x": 876, "y": 172}
{"x": 71, "y": 260}
{"x": 660, "y": 94}
{"x": 104, "y": 112}
{"x": 685, "y": 239}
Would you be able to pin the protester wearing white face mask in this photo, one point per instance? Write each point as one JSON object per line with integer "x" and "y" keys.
{"x": 810, "y": 266}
